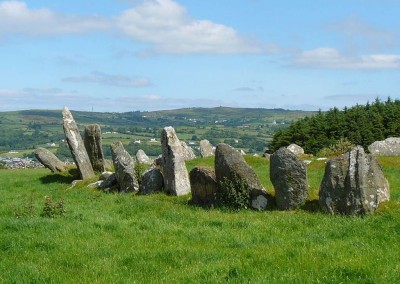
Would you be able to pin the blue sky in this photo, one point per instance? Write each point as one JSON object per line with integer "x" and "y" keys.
{"x": 128, "y": 55}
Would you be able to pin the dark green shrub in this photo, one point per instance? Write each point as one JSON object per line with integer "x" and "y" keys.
{"x": 233, "y": 194}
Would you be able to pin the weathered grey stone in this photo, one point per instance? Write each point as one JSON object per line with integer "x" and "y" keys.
{"x": 49, "y": 160}
{"x": 105, "y": 175}
{"x": 353, "y": 184}
{"x": 96, "y": 184}
{"x": 124, "y": 168}
{"x": 93, "y": 145}
{"x": 387, "y": 147}
{"x": 288, "y": 174}
{"x": 76, "y": 145}
{"x": 229, "y": 163}
{"x": 142, "y": 158}
{"x": 159, "y": 161}
{"x": 187, "y": 152}
{"x": 206, "y": 149}
{"x": 152, "y": 181}
{"x": 296, "y": 149}
{"x": 176, "y": 177}
{"x": 109, "y": 182}
{"x": 203, "y": 184}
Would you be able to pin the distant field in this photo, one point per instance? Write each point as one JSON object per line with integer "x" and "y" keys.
{"x": 115, "y": 238}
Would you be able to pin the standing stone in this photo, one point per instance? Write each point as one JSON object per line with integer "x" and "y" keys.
{"x": 49, "y": 160}
{"x": 353, "y": 184}
{"x": 229, "y": 163}
{"x": 187, "y": 151}
{"x": 176, "y": 177}
{"x": 142, "y": 158}
{"x": 203, "y": 184}
{"x": 124, "y": 168}
{"x": 387, "y": 147}
{"x": 206, "y": 149}
{"x": 94, "y": 147}
{"x": 152, "y": 181}
{"x": 296, "y": 149}
{"x": 76, "y": 145}
{"x": 288, "y": 174}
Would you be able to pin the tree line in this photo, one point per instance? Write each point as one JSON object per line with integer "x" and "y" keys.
{"x": 360, "y": 124}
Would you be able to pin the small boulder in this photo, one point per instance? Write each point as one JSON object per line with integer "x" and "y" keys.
{"x": 152, "y": 181}
{"x": 203, "y": 184}
{"x": 296, "y": 149}
{"x": 49, "y": 160}
{"x": 353, "y": 184}
{"x": 124, "y": 168}
{"x": 142, "y": 158}
{"x": 288, "y": 174}
{"x": 230, "y": 164}
{"x": 187, "y": 151}
{"x": 206, "y": 149}
{"x": 388, "y": 147}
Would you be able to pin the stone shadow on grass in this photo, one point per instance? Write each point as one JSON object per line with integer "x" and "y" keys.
{"x": 72, "y": 175}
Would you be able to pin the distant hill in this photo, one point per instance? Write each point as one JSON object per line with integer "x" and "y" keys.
{"x": 247, "y": 128}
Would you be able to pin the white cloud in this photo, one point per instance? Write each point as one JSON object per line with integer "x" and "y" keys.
{"x": 332, "y": 59}
{"x": 168, "y": 28}
{"x": 17, "y": 18}
{"x": 362, "y": 35}
{"x": 112, "y": 80}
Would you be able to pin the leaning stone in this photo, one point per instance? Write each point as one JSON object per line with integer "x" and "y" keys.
{"x": 388, "y": 147}
{"x": 93, "y": 145}
{"x": 142, "y": 158}
{"x": 124, "y": 168}
{"x": 176, "y": 177}
{"x": 49, "y": 160}
{"x": 152, "y": 181}
{"x": 353, "y": 184}
{"x": 296, "y": 149}
{"x": 187, "y": 151}
{"x": 206, "y": 149}
{"x": 203, "y": 184}
{"x": 229, "y": 163}
{"x": 288, "y": 174}
{"x": 76, "y": 145}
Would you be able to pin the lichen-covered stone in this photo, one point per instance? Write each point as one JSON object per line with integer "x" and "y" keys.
{"x": 142, "y": 158}
{"x": 124, "y": 168}
{"x": 288, "y": 174}
{"x": 388, "y": 147}
{"x": 296, "y": 149}
{"x": 76, "y": 145}
{"x": 49, "y": 160}
{"x": 176, "y": 177}
{"x": 206, "y": 149}
{"x": 152, "y": 181}
{"x": 353, "y": 184}
{"x": 187, "y": 151}
{"x": 93, "y": 145}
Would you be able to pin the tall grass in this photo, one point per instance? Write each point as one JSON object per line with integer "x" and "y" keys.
{"x": 114, "y": 238}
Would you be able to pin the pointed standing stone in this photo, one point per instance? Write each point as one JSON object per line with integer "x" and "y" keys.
{"x": 76, "y": 145}
{"x": 93, "y": 146}
{"x": 176, "y": 177}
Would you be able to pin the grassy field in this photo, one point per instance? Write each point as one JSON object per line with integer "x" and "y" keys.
{"x": 113, "y": 238}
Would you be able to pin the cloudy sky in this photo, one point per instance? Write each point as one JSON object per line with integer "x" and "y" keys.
{"x": 127, "y": 55}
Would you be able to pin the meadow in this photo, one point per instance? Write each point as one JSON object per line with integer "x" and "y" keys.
{"x": 115, "y": 238}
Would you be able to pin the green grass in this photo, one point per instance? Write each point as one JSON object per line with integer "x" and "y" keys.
{"x": 113, "y": 238}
